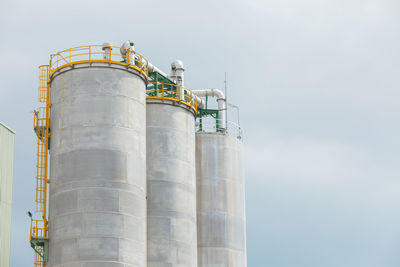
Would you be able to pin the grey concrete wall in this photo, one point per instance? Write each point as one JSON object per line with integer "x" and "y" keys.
{"x": 6, "y": 181}
{"x": 98, "y": 169}
{"x": 220, "y": 201}
{"x": 171, "y": 187}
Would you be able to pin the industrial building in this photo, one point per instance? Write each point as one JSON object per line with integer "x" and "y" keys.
{"x": 7, "y": 136}
{"x": 133, "y": 169}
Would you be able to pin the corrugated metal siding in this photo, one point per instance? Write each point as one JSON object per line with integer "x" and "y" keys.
{"x": 6, "y": 175}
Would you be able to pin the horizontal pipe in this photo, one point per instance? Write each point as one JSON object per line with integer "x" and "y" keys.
{"x": 210, "y": 92}
{"x": 153, "y": 68}
{"x": 128, "y": 47}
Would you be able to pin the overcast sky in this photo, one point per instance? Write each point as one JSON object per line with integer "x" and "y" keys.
{"x": 317, "y": 82}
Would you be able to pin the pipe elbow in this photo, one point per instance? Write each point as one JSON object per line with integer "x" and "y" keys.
{"x": 218, "y": 93}
{"x": 213, "y": 92}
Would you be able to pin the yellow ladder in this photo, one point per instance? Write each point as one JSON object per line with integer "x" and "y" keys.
{"x": 39, "y": 228}
{"x": 40, "y": 127}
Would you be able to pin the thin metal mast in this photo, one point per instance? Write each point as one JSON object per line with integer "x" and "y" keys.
{"x": 226, "y": 101}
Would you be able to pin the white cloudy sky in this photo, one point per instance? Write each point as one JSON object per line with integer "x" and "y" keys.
{"x": 317, "y": 82}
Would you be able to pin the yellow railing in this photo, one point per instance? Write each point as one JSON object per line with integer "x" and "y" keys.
{"x": 38, "y": 228}
{"x": 44, "y": 74}
{"x": 172, "y": 92}
{"x": 101, "y": 54}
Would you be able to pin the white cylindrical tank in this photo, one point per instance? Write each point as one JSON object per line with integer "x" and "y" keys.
{"x": 221, "y": 231}
{"x": 97, "y": 167}
{"x": 171, "y": 186}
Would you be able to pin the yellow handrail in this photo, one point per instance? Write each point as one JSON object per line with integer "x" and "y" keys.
{"x": 173, "y": 92}
{"x": 97, "y": 53}
{"x": 37, "y": 228}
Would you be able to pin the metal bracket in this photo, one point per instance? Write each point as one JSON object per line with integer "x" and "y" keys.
{"x": 209, "y": 112}
{"x": 44, "y": 244}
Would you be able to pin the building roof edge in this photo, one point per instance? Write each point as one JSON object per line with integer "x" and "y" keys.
{"x": 8, "y": 128}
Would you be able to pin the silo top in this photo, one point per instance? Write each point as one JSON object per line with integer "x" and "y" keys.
{"x": 105, "y": 53}
{"x": 168, "y": 92}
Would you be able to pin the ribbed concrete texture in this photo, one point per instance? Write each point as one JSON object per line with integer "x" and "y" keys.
{"x": 6, "y": 180}
{"x": 98, "y": 168}
{"x": 220, "y": 201}
{"x": 171, "y": 187}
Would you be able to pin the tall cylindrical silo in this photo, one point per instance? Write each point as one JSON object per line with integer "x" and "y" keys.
{"x": 171, "y": 185}
{"x": 97, "y": 166}
{"x": 220, "y": 201}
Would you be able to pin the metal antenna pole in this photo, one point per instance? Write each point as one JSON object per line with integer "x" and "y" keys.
{"x": 226, "y": 101}
{"x": 238, "y": 116}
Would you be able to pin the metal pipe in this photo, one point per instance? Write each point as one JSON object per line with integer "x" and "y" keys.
{"x": 177, "y": 72}
{"x": 153, "y": 68}
{"x": 238, "y": 113}
{"x": 221, "y": 100}
{"x": 129, "y": 46}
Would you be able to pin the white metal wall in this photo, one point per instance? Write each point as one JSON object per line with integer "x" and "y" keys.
{"x": 6, "y": 175}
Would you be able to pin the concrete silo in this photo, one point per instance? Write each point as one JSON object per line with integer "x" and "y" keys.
{"x": 221, "y": 230}
{"x": 171, "y": 176}
{"x": 97, "y": 147}
{"x": 131, "y": 181}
